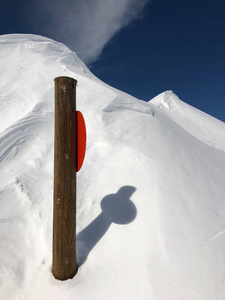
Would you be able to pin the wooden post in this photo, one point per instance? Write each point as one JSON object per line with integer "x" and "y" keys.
{"x": 64, "y": 264}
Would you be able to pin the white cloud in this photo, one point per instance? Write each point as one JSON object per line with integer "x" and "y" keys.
{"x": 87, "y": 25}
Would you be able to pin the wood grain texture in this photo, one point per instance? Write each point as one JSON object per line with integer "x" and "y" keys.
{"x": 64, "y": 264}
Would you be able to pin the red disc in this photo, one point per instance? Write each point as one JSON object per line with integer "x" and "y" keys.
{"x": 81, "y": 140}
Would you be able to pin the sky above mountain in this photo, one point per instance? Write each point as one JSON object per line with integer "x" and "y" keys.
{"x": 141, "y": 47}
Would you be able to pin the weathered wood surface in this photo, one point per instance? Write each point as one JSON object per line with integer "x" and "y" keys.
{"x": 64, "y": 264}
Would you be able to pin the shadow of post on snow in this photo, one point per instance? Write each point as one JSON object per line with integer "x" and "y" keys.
{"x": 116, "y": 208}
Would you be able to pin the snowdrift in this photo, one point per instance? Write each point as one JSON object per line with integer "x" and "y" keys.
{"x": 151, "y": 206}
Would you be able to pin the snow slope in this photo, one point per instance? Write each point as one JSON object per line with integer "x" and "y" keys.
{"x": 151, "y": 207}
{"x": 208, "y": 130}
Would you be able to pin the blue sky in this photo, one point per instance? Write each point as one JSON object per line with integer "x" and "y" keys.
{"x": 142, "y": 47}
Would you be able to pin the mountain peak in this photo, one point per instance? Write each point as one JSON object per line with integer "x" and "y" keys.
{"x": 199, "y": 124}
{"x": 166, "y": 99}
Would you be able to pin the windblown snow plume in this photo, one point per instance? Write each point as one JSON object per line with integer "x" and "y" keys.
{"x": 150, "y": 207}
{"x": 87, "y": 25}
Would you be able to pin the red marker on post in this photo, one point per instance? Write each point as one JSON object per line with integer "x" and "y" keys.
{"x": 81, "y": 140}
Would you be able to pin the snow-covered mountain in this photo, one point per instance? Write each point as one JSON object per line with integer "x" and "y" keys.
{"x": 160, "y": 163}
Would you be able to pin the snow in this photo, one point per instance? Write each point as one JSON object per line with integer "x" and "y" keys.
{"x": 209, "y": 130}
{"x": 150, "y": 203}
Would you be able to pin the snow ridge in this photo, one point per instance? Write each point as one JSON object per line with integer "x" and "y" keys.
{"x": 150, "y": 195}
{"x": 202, "y": 126}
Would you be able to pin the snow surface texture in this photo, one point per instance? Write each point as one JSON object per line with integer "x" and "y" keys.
{"x": 151, "y": 206}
